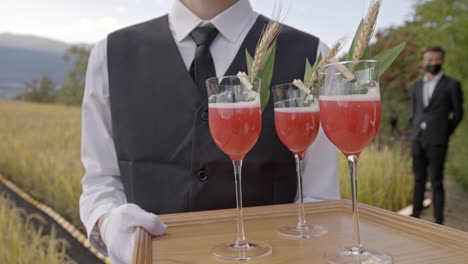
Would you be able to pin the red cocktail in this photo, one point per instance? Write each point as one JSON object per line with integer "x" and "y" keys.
{"x": 297, "y": 127}
{"x": 235, "y": 127}
{"x": 235, "y": 119}
{"x": 297, "y": 123}
{"x": 350, "y": 121}
{"x": 350, "y": 117}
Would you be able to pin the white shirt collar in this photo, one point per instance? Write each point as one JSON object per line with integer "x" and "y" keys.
{"x": 229, "y": 23}
{"x": 436, "y": 78}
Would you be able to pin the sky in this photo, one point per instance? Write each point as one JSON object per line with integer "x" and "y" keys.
{"x": 88, "y": 21}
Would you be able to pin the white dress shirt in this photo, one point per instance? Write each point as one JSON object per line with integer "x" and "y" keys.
{"x": 429, "y": 86}
{"x": 102, "y": 186}
{"x": 428, "y": 89}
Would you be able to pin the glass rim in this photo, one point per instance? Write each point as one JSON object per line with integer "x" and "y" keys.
{"x": 284, "y": 84}
{"x": 346, "y": 62}
{"x": 231, "y": 76}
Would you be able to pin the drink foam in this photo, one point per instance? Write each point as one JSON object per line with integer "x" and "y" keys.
{"x": 372, "y": 95}
{"x": 312, "y": 108}
{"x": 252, "y": 104}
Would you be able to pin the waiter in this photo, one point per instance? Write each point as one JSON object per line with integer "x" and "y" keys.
{"x": 146, "y": 145}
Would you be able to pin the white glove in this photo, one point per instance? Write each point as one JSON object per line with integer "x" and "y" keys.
{"x": 118, "y": 230}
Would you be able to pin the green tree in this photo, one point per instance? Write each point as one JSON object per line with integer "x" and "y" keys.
{"x": 445, "y": 23}
{"x": 73, "y": 87}
{"x": 435, "y": 22}
{"x": 39, "y": 91}
{"x": 397, "y": 80}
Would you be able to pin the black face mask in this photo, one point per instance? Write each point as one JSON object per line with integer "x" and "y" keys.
{"x": 434, "y": 68}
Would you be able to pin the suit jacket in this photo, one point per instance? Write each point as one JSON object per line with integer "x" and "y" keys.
{"x": 447, "y": 98}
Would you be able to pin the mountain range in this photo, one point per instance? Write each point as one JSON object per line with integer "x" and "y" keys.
{"x": 24, "y": 58}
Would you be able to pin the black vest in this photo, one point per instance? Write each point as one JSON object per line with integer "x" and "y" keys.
{"x": 168, "y": 161}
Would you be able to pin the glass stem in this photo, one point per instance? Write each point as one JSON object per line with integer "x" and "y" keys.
{"x": 240, "y": 241}
{"x": 301, "y": 221}
{"x": 352, "y": 163}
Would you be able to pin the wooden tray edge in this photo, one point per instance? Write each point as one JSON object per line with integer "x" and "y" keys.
{"x": 423, "y": 229}
{"x": 142, "y": 250}
{"x": 223, "y": 215}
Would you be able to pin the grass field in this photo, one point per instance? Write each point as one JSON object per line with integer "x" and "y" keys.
{"x": 384, "y": 177}
{"x": 40, "y": 146}
{"x": 40, "y": 151}
{"x": 21, "y": 242}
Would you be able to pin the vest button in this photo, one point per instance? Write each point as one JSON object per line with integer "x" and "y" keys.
{"x": 204, "y": 116}
{"x": 202, "y": 176}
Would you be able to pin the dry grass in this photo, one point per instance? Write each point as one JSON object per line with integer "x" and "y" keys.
{"x": 40, "y": 152}
{"x": 21, "y": 242}
{"x": 384, "y": 177}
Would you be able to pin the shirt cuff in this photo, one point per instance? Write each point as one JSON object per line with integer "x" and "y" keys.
{"x": 92, "y": 229}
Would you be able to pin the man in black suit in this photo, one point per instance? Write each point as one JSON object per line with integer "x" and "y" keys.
{"x": 437, "y": 102}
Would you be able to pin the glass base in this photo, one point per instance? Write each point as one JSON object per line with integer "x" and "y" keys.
{"x": 302, "y": 232}
{"x": 349, "y": 255}
{"x": 250, "y": 250}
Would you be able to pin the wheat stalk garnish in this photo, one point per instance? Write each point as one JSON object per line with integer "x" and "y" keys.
{"x": 269, "y": 35}
{"x": 368, "y": 28}
{"x": 327, "y": 59}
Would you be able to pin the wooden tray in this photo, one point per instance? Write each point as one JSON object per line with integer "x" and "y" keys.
{"x": 190, "y": 236}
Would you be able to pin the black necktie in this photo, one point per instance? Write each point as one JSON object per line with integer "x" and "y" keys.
{"x": 202, "y": 66}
